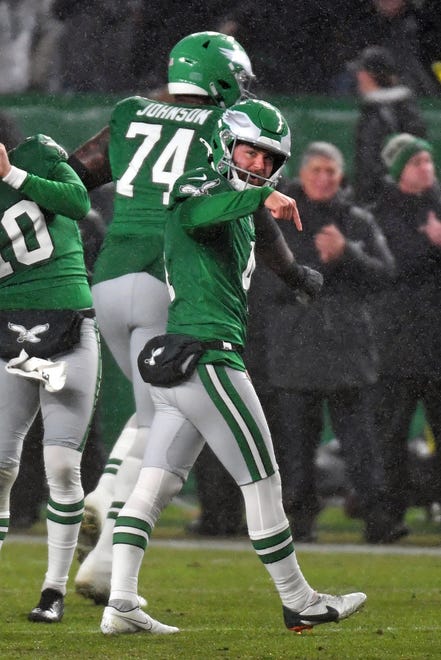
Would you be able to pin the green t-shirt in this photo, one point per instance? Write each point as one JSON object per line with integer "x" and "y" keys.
{"x": 41, "y": 252}
{"x": 209, "y": 252}
{"x": 151, "y": 144}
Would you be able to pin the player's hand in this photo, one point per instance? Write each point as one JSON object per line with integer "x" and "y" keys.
{"x": 283, "y": 207}
{"x": 5, "y": 165}
{"x": 330, "y": 243}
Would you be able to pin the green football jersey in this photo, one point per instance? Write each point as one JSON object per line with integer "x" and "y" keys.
{"x": 151, "y": 145}
{"x": 209, "y": 253}
{"x": 41, "y": 252}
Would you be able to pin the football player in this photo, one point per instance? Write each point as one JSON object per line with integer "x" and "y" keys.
{"x": 210, "y": 238}
{"x": 147, "y": 146}
{"x": 49, "y": 346}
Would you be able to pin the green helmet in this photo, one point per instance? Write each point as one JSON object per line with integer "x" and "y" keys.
{"x": 210, "y": 64}
{"x": 255, "y": 122}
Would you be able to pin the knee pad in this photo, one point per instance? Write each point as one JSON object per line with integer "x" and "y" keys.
{"x": 263, "y": 505}
{"x": 154, "y": 489}
{"x": 7, "y": 477}
{"x": 63, "y": 473}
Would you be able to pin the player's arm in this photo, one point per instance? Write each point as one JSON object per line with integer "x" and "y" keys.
{"x": 91, "y": 160}
{"x": 63, "y": 193}
{"x": 205, "y": 211}
{"x": 206, "y": 200}
{"x": 275, "y": 252}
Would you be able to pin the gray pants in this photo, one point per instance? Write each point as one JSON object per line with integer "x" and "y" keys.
{"x": 217, "y": 405}
{"x": 132, "y": 309}
{"x": 66, "y": 414}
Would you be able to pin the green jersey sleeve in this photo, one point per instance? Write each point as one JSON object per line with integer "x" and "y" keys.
{"x": 50, "y": 182}
{"x": 210, "y": 200}
{"x": 64, "y": 194}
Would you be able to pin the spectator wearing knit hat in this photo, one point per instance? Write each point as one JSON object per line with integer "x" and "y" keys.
{"x": 408, "y": 313}
{"x": 386, "y": 106}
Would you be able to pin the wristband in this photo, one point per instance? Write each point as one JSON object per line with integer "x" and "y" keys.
{"x": 15, "y": 177}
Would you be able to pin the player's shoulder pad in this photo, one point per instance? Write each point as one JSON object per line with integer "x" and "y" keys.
{"x": 50, "y": 146}
{"x": 128, "y": 102}
{"x": 196, "y": 183}
{"x": 37, "y": 153}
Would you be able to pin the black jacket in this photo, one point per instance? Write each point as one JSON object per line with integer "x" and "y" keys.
{"x": 408, "y": 313}
{"x": 328, "y": 344}
{"x": 382, "y": 113}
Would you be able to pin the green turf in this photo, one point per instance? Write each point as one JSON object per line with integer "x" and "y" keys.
{"x": 226, "y": 606}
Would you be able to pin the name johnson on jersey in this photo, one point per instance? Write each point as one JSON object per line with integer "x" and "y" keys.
{"x": 176, "y": 113}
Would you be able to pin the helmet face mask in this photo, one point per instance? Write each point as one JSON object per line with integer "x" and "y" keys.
{"x": 210, "y": 64}
{"x": 259, "y": 124}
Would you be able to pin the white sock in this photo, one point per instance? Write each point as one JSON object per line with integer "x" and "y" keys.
{"x": 127, "y": 476}
{"x": 64, "y": 513}
{"x": 153, "y": 491}
{"x": 270, "y": 535}
{"x": 119, "y": 451}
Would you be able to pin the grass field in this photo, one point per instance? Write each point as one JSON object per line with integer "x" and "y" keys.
{"x": 226, "y": 605}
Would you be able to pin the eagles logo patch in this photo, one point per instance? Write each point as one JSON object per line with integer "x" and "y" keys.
{"x": 194, "y": 191}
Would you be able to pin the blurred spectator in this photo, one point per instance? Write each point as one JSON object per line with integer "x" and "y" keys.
{"x": 95, "y": 44}
{"x": 27, "y": 38}
{"x": 393, "y": 24}
{"x": 386, "y": 107}
{"x": 325, "y": 351}
{"x": 408, "y": 314}
{"x": 133, "y": 39}
{"x": 303, "y": 56}
{"x": 430, "y": 37}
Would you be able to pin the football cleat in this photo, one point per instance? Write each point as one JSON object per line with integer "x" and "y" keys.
{"x": 116, "y": 622}
{"x": 50, "y": 609}
{"x": 96, "y": 505}
{"x": 326, "y": 609}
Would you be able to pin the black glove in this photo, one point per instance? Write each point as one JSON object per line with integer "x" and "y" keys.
{"x": 306, "y": 282}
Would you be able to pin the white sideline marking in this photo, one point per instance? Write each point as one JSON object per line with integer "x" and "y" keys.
{"x": 238, "y": 545}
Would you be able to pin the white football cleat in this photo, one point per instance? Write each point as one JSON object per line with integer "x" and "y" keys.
{"x": 326, "y": 609}
{"x": 115, "y": 622}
